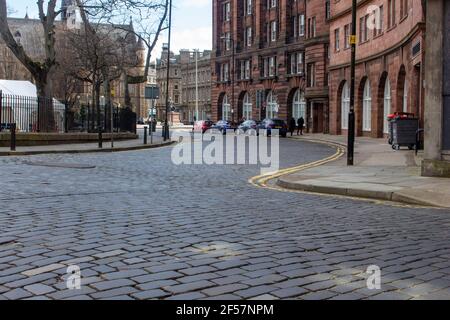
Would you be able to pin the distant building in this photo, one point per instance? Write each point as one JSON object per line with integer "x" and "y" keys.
{"x": 182, "y": 84}
{"x": 174, "y": 92}
{"x": 194, "y": 78}
{"x": 258, "y": 59}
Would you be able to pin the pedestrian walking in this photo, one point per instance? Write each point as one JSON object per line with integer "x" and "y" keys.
{"x": 292, "y": 126}
{"x": 300, "y": 125}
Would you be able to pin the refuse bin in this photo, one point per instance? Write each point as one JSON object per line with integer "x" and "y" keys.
{"x": 396, "y": 116}
{"x": 404, "y": 132}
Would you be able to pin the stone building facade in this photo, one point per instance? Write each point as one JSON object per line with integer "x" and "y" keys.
{"x": 175, "y": 83}
{"x": 195, "y": 72}
{"x": 266, "y": 78}
{"x": 292, "y": 59}
{"x": 182, "y": 85}
{"x": 389, "y": 69}
{"x": 437, "y": 97}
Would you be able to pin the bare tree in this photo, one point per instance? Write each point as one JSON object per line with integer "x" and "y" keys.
{"x": 100, "y": 53}
{"x": 149, "y": 21}
{"x": 41, "y": 71}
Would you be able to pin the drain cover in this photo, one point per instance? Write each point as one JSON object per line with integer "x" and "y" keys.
{"x": 60, "y": 165}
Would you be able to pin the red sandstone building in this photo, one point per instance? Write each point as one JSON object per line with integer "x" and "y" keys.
{"x": 266, "y": 78}
{"x": 389, "y": 70}
{"x": 291, "y": 58}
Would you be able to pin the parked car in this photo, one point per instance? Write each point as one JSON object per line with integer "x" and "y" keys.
{"x": 247, "y": 125}
{"x": 269, "y": 124}
{"x": 223, "y": 126}
{"x": 140, "y": 121}
{"x": 202, "y": 126}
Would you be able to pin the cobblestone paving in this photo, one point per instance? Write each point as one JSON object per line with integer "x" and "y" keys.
{"x": 142, "y": 228}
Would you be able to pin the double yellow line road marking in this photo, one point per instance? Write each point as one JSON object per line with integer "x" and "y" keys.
{"x": 262, "y": 181}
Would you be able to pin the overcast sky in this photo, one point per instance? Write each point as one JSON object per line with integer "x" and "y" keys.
{"x": 192, "y": 23}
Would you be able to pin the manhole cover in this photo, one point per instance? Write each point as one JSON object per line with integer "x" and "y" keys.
{"x": 60, "y": 165}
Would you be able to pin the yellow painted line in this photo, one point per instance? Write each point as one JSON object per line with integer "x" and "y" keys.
{"x": 261, "y": 181}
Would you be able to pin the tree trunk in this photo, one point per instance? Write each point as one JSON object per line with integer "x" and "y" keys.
{"x": 107, "y": 89}
{"x": 46, "y": 116}
{"x": 97, "y": 105}
{"x": 127, "y": 94}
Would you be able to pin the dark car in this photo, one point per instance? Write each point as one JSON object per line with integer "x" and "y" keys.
{"x": 223, "y": 126}
{"x": 247, "y": 125}
{"x": 276, "y": 124}
{"x": 202, "y": 126}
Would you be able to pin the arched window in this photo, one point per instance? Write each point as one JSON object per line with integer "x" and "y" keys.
{"x": 405, "y": 96}
{"x": 272, "y": 106}
{"x": 367, "y": 107}
{"x": 387, "y": 105}
{"x": 226, "y": 109}
{"x": 299, "y": 105}
{"x": 345, "y": 105}
{"x": 247, "y": 107}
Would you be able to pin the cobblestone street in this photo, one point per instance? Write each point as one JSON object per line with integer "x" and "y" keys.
{"x": 140, "y": 227}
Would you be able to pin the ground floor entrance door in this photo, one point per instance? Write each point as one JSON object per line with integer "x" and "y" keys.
{"x": 317, "y": 118}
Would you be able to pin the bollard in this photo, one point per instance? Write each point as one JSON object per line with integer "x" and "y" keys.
{"x": 145, "y": 135}
{"x": 13, "y": 136}
{"x": 100, "y": 139}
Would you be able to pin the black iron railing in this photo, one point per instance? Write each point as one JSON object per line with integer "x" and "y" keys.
{"x": 31, "y": 114}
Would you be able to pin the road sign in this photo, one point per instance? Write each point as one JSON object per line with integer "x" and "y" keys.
{"x": 152, "y": 92}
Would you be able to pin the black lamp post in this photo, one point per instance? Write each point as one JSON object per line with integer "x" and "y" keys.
{"x": 166, "y": 121}
{"x": 351, "y": 115}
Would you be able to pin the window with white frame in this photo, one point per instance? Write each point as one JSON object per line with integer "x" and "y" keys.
{"x": 313, "y": 27}
{"x": 311, "y": 75}
{"x": 391, "y": 13}
{"x": 301, "y": 24}
{"x": 271, "y": 4}
{"x": 227, "y": 41}
{"x": 247, "y": 107}
{"x": 347, "y": 28}
{"x": 226, "y": 109}
{"x": 299, "y": 105}
{"x": 296, "y": 63}
{"x": 248, "y": 36}
{"x": 273, "y": 31}
{"x": 299, "y": 62}
{"x": 336, "y": 40}
{"x": 227, "y": 11}
{"x": 345, "y": 105}
{"x": 405, "y": 96}
{"x": 386, "y": 105}
{"x": 225, "y": 72}
{"x": 249, "y": 7}
{"x": 271, "y": 106}
{"x": 367, "y": 107}
{"x": 272, "y": 66}
{"x": 379, "y": 20}
{"x": 247, "y": 69}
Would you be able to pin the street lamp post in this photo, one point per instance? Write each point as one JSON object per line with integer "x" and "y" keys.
{"x": 351, "y": 115}
{"x": 166, "y": 121}
{"x": 196, "y": 84}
